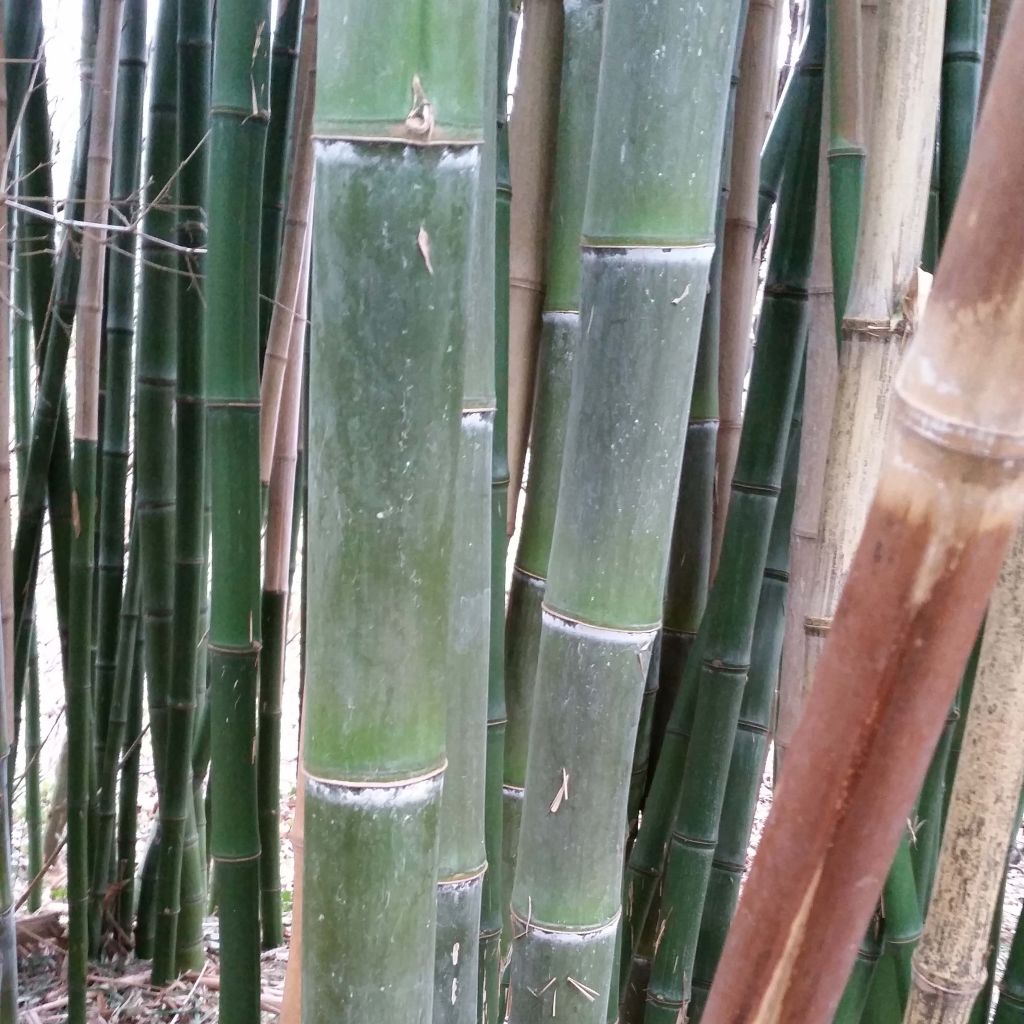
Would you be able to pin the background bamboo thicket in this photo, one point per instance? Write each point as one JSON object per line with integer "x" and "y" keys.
{"x": 594, "y": 428}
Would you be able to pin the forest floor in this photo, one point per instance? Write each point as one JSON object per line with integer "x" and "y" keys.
{"x": 119, "y": 991}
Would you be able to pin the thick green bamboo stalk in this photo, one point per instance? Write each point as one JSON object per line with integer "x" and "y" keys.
{"x": 397, "y": 136}
{"x": 179, "y": 943}
{"x": 462, "y": 854}
{"x": 750, "y": 750}
{"x": 647, "y": 244}
{"x": 155, "y": 467}
{"x": 89, "y": 320}
{"x": 118, "y": 710}
{"x": 559, "y": 331}
{"x": 238, "y": 128}
{"x": 724, "y": 658}
{"x": 950, "y": 963}
{"x": 284, "y": 54}
{"x": 119, "y": 341}
{"x": 964, "y": 49}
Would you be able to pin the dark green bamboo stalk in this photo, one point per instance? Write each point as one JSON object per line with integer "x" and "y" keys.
{"x": 858, "y": 987}
{"x": 397, "y": 137}
{"x": 495, "y": 168}
{"x": 964, "y": 49}
{"x": 789, "y": 114}
{"x": 22, "y": 371}
{"x": 181, "y": 870}
{"x": 647, "y": 244}
{"x": 127, "y": 809}
{"x": 284, "y": 54}
{"x": 723, "y": 661}
{"x": 238, "y": 129}
{"x": 78, "y": 685}
{"x": 581, "y": 54}
{"x": 155, "y": 375}
{"x": 930, "y": 248}
{"x": 118, "y": 711}
{"x": 120, "y": 335}
{"x": 750, "y": 750}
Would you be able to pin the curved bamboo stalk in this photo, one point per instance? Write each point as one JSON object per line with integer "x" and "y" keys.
{"x": 238, "y": 128}
{"x": 946, "y": 507}
{"x": 533, "y": 131}
{"x": 647, "y": 244}
{"x": 275, "y": 602}
{"x": 949, "y": 967}
{"x": 739, "y": 271}
{"x": 397, "y": 139}
{"x": 87, "y": 373}
{"x": 288, "y": 280}
{"x": 581, "y": 57}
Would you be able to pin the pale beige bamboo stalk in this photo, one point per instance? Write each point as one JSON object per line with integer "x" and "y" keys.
{"x": 819, "y": 399}
{"x": 882, "y": 309}
{"x": 89, "y": 311}
{"x": 6, "y": 564}
{"x": 532, "y": 133}
{"x": 951, "y": 960}
{"x": 755, "y": 93}
{"x": 287, "y": 297}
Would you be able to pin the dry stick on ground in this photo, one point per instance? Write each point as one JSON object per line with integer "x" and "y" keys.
{"x": 532, "y": 134}
{"x": 289, "y": 280}
{"x": 739, "y": 270}
{"x": 948, "y": 502}
{"x": 950, "y": 965}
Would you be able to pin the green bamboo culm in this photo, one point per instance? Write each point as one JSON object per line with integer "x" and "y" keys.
{"x": 492, "y": 982}
{"x": 119, "y": 326}
{"x": 78, "y": 685}
{"x": 193, "y": 93}
{"x": 963, "y": 51}
{"x": 560, "y": 319}
{"x": 155, "y": 376}
{"x": 720, "y": 665}
{"x": 750, "y": 749}
{"x": 647, "y": 244}
{"x": 238, "y": 128}
{"x": 118, "y": 713}
{"x": 397, "y": 140}
{"x": 127, "y": 795}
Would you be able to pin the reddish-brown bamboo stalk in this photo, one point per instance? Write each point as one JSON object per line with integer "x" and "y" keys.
{"x": 949, "y": 498}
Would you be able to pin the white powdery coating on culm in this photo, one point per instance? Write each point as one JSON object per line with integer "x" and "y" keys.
{"x": 557, "y": 622}
{"x": 388, "y": 797}
{"x": 562, "y": 937}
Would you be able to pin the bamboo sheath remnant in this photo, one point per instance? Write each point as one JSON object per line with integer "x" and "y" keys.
{"x": 646, "y": 252}
{"x": 947, "y": 504}
{"x": 398, "y": 156}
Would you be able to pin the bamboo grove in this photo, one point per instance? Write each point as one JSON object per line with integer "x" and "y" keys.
{"x": 555, "y": 468}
